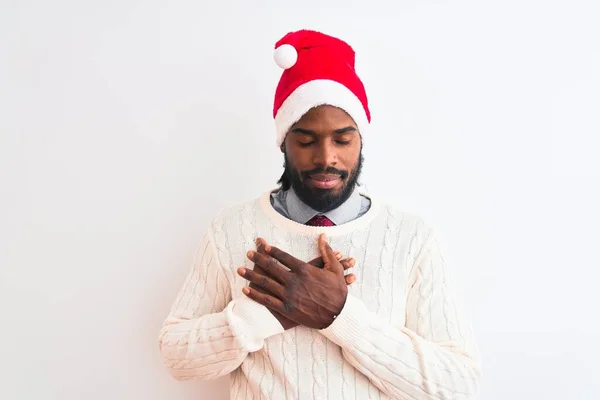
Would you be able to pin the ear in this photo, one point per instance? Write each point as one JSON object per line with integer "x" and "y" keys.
{"x": 282, "y": 147}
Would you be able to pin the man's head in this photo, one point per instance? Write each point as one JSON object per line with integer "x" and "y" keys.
{"x": 322, "y": 157}
{"x": 321, "y": 114}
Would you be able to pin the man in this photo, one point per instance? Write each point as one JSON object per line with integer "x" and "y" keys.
{"x": 288, "y": 328}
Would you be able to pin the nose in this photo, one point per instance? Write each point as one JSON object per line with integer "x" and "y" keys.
{"x": 325, "y": 154}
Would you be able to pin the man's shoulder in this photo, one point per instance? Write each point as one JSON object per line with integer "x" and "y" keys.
{"x": 417, "y": 230}
{"x": 393, "y": 209}
{"x": 242, "y": 212}
{"x": 407, "y": 220}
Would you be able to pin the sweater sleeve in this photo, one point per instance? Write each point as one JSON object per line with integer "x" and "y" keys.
{"x": 207, "y": 334}
{"x": 432, "y": 357}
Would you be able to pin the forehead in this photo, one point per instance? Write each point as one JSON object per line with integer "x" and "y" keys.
{"x": 325, "y": 117}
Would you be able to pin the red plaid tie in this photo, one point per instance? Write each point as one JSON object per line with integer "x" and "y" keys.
{"x": 320, "y": 220}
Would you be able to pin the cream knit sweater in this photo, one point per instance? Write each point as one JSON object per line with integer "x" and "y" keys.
{"x": 400, "y": 335}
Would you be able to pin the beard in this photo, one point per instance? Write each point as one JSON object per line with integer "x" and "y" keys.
{"x": 321, "y": 200}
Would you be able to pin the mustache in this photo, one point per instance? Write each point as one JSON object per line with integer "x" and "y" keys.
{"x": 328, "y": 170}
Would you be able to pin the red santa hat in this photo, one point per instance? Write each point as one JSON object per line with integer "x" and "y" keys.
{"x": 318, "y": 70}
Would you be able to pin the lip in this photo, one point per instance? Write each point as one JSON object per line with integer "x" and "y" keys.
{"x": 324, "y": 181}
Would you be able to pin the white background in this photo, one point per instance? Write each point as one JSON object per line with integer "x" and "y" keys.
{"x": 126, "y": 125}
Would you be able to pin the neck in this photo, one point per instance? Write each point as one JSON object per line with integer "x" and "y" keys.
{"x": 299, "y": 227}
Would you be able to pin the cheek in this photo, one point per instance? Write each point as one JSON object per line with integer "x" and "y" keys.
{"x": 300, "y": 159}
{"x": 350, "y": 158}
{"x": 297, "y": 163}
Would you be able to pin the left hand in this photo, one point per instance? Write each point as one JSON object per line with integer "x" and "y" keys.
{"x": 286, "y": 323}
{"x": 309, "y": 296}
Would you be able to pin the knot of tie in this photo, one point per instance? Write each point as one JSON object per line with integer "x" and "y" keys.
{"x": 320, "y": 220}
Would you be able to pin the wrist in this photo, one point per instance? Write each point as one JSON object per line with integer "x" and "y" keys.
{"x": 340, "y": 308}
{"x": 350, "y": 326}
{"x": 251, "y": 322}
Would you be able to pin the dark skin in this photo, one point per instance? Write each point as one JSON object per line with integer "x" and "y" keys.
{"x": 305, "y": 295}
{"x": 324, "y": 137}
{"x": 259, "y": 276}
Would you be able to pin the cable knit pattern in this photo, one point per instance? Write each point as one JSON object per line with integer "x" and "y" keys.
{"x": 400, "y": 335}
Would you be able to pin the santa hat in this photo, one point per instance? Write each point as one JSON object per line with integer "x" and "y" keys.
{"x": 318, "y": 70}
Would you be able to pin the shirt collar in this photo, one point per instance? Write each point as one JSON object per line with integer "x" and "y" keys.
{"x": 302, "y": 213}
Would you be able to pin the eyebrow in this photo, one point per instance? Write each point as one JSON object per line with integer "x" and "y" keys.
{"x": 337, "y": 131}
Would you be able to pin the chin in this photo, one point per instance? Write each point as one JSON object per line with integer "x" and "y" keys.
{"x": 324, "y": 200}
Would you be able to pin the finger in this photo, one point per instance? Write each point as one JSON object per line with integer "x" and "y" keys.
{"x": 289, "y": 261}
{"x": 268, "y": 265}
{"x": 323, "y": 249}
{"x": 347, "y": 263}
{"x": 261, "y": 244}
{"x": 253, "y": 286}
{"x": 260, "y": 247}
{"x": 258, "y": 269}
{"x": 327, "y": 253}
{"x": 318, "y": 262}
{"x": 350, "y": 279}
{"x": 266, "y": 300}
{"x": 262, "y": 281}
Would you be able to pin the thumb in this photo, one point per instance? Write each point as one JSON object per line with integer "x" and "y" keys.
{"x": 330, "y": 261}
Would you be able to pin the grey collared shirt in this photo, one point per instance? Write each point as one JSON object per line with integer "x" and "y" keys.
{"x": 288, "y": 204}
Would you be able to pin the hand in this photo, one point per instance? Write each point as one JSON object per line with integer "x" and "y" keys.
{"x": 308, "y": 296}
{"x": 347, "y": 263}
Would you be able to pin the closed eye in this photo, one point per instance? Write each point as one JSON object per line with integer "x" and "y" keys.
{"x": 305, "y": 144}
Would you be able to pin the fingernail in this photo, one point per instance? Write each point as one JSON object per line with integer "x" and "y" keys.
{"x": 242, "y": 271}
{"x": 351, "y": 262}
{"x": 250, "y": 254}
{"x": 246, "y": 290}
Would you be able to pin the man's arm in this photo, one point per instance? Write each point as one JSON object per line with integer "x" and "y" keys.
{"x": 207, "y": 334}
{"x": 432, "y": 357}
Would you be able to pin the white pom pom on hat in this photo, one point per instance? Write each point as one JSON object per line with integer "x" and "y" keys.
{"x": 285, "y": 56}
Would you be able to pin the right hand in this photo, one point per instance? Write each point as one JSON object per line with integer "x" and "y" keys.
{"x": 347, "y": 263}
